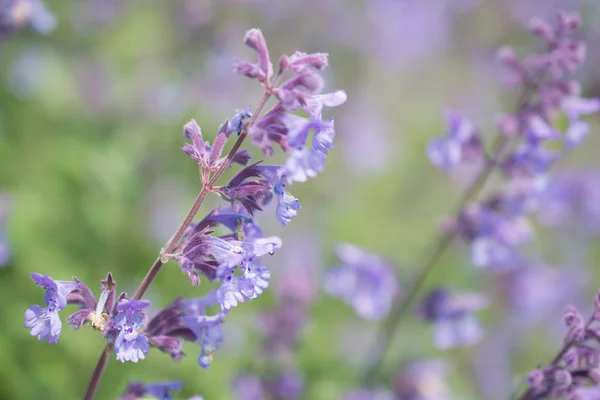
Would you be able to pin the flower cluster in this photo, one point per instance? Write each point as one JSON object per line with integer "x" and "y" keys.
{"x": 528, "y": 147}
{"x": 575, "y": 371}
{"x": 365, "y": 281}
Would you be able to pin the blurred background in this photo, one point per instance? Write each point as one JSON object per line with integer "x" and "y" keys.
{"x": 93, "y": 181}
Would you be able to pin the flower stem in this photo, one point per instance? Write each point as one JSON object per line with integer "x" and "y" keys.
{"x": 435, "y": 251}
{"x": 174, "y": 241}
{"x": 97, "y": 374}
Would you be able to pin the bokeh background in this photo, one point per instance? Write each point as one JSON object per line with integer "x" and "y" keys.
{"x": 91, "y": 120}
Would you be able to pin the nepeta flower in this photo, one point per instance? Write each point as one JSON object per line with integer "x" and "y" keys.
{"x": 90, "y": 310}
{"x": 452, "y": 316}
{"x": 364, "y": 280}
{"x": 209, "y": 157}
{"x": 45, "y": 322}
{"x": 461, "y": 144}
{"x": 369, "y": 394}
{"x": 300, "y": 91}
{"x": 422, "y": 380}
{"x": 161, "y": 391}
{"x": 14, "y": 14}
{"x": 217, "y": 257}
{"x": 572, "y": 200}
{"x": 207, "y": 330}
{"x": 130, "y": 345}
{"x": 493, "y": 235}
{"x": 248, "y": 387}
{"x": 288, "y": 205}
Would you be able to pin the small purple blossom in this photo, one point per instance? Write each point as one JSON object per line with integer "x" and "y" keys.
{"x": 130, "y": 345}
{"x": 161, "y": 391}
{"x": 452, "y": 316}
{"x": 45, "y": 322}
{"x": 364, "y": 280}
{"x": 422, "y": 380}
{"x": 461, "y": 144}
{"x": 493, "y": 236}
{"x": 207, "y": 330}
{"x": 15, "y": 14}
{"x": 288, "y": 205}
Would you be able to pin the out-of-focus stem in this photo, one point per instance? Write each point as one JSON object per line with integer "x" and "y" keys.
{"x": 433, "y": 254}
{"x": 443, "y": 241}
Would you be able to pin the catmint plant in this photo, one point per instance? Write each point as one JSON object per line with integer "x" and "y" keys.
{"x": 233, "y": 259}
{"x": 494, "y": 224}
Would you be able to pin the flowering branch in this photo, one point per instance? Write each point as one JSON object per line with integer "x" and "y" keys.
{"x": 234, "y": 258}
{"x": 545, "y": 78}
{"x": 173, "y": 242}
{"x": 574, "y": 364}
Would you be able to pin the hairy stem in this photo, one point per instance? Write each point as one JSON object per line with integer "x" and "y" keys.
{"x": 97, "y": 374}
{"x": 174, "y": 241}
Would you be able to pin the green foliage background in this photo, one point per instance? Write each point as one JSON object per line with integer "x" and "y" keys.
{"x": 88, "y": 161}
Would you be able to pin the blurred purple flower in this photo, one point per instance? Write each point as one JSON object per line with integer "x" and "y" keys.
{"x": 493, "y": 236}
{"x": 573, "y": 200}
{"x": 161, "y": 391}
{"x": 248, "y": 387}
{"x": 461, "y": 144}
{"x": 369, "y": 394}
{"x": 14, "y": 14}
{"x": 364, "y": 280}
{"x": 452, "y": 316}
{"x": 422, "y": 380}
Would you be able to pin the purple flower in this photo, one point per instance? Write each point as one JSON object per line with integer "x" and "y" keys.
{"x": 288, "y": 205}
{"x": 45, "y": 322}
{"x": 369, "y": 394}
{"x": 422, "y": 380}
{"x": 209, "y": 157}
{"x": 237, "y": 289}
{"x": 571, "y": 199}
{"x": 248, "y": 387}
{"x": 14, "y": 14}
{"x": 454, "y": 323}
{"x": 461, "y": 143}
{"x": 218, "y": 257}
{"x": 207, "y": 330}
{"x": 90, "y": 310}
{"x": 161, "y": 391}
{"x": 263, "y": 70}
{"x": 364, "y": 281}
{"x": 130, "y": 345}
{"x": 252, "y": 193}
{"x": 493, "y": 236}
